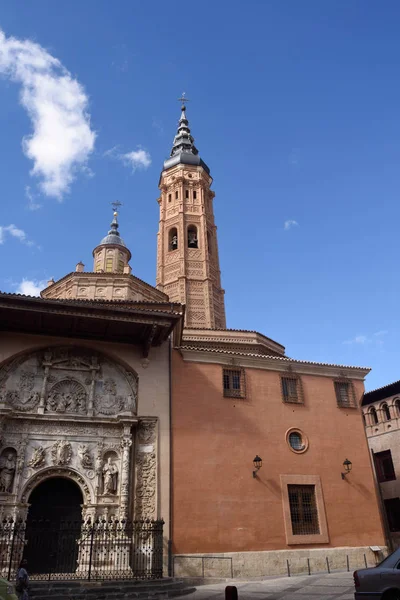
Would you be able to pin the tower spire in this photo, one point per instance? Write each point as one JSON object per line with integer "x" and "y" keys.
{"x": 187, "y": 250}
{"x": 112, "y": 255}
{"x": 183, "y": 149}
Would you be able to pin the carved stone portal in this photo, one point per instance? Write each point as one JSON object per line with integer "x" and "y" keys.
{"x": 57, "y": 428}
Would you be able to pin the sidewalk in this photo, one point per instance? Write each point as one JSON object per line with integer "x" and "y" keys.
{"x": 336, "y": 586}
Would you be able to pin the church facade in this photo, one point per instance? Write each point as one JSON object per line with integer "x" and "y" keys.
{"x": 270, "y": 460}
{"x": 85, "y": 404}
{"x": 143, "y": 401}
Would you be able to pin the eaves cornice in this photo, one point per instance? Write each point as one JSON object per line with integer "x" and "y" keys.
{"x": 270, "y": 363}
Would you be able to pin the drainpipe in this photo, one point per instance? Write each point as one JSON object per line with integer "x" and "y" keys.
{"x": 170, "y": 460}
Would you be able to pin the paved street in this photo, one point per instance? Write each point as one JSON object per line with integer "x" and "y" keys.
{"x": 315, "y": 587}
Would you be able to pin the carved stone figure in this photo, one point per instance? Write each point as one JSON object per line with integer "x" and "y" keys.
{"x": 61, "y": 453}
{"x": 7, "y": 472}
{"x": 85, "y": 457}
{"x": 67, "y": 396}
{"x": 38, "y": 458}
{"x": 110, "y": 477}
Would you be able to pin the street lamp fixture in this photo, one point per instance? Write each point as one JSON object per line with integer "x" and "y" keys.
{"x": 347, "y": 468}
{"x": 257, "y": 462}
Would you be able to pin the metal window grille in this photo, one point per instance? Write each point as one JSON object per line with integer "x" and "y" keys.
{"x": 234, "y": 384}
{"x": 292, "y": 389}
{"x": 345, "y": 396}
{"x": 303, "y": 510}
{"x": 109, "y": 265}
{"x": 296, "y": 441}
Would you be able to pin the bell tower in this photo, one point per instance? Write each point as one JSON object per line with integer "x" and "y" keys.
{"x": 187, "y": 248}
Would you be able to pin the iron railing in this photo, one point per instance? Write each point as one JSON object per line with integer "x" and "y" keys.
{"x": 102, "y": 550}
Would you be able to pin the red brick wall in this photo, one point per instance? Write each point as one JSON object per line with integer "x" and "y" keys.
{"x": 217, "y": 504}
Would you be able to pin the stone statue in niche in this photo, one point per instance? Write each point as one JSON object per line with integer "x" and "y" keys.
{"x": 61, "y": 453}
{"x": 85, "y": 457}
{"x": 8, "y": 465}
{"x": 110, "y": 477}
{"x": 38, "y": 458}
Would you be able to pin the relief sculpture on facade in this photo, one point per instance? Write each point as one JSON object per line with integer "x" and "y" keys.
{"x": 38, "y": 458}
{"x": 146, "y": 463}
{"x": 68, "y": 393}
{"x": 61, "y": 453}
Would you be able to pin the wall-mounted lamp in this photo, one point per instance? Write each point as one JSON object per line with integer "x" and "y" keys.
{"x": 347, "y": 467}
{"x": 257, "y": 462}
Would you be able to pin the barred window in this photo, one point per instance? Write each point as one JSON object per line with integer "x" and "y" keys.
{"x": 303, "y": 510}
{"x": 292, "y": 389}
{"x": 109, "y": 265}
{"x": 234, "y": 383}
{"x": 345, "y": 397}
{"x": 384, "y": 466}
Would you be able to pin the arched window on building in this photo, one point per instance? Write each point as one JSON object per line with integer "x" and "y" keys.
{"x": 364, "y": 419}
{"x": 192, "y": 237}
{"x": 385, "y": 412}
{"x": 396, "y": 404}
{"x": 373, "y": 415}
{"x": 173, "y": 239}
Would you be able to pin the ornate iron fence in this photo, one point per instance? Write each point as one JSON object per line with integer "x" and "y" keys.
{"x": 103, "y": 550}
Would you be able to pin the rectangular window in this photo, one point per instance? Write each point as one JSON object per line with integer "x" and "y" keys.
{"x": 291, "y": 389}
{"x": 176, "y": 195}
{"x": 194, "y": 194}
{"x": 384, "y": 466}
{"x": 392, "y": 507}
{"x": 169, "y": 197}
{"x": 109, "y": 265}
{"x": 234, "y": 383}
{"x": 186, "y": 193}
{"x": 344, "y": 394}
{"x": 303, "y": 510}
{"x": 121, "y": 265}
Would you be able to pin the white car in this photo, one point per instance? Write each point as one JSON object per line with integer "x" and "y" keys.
{"x": 381, "y": 582}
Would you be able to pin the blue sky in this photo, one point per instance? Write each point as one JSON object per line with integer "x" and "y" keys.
{"x": 295, "y": 108}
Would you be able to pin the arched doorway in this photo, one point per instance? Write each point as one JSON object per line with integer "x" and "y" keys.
{"x": 53, "y": 526}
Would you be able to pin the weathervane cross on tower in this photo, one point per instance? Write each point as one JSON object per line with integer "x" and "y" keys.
{"x": 116, "y": 204}
{"x": 183, "y": 99}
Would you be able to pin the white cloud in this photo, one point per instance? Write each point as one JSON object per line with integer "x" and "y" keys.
{"x": 13, "y": 231}
{"x": 30, "y": 287}
{"x": 56, "y": 103}
{"x": 289, "y": 224}
{"x": 359, "y": 339}
{"x": 136, "y": 159}
{"x": 365, "y": 339}
{"x": 32, "y": 204}
{"x": 381, "y": 333}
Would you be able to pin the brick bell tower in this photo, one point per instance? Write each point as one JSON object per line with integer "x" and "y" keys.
{"x": 187, "y": 248}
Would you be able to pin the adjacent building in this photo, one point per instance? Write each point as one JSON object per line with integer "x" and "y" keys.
{"x": 381, "y": 414}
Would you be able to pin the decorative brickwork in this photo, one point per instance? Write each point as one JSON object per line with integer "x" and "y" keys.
{"x": 187, "y": 250}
